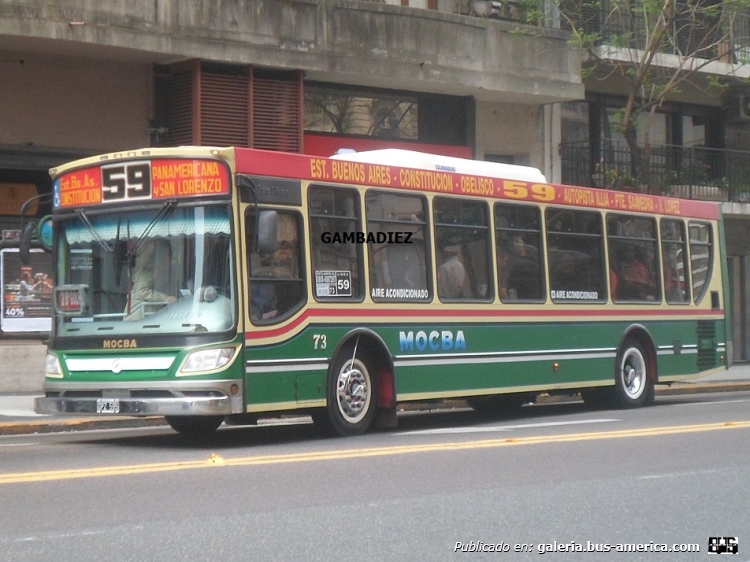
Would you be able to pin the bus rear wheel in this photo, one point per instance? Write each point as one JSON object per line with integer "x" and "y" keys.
{"x": 194, "y": 426}
{"x": 634, "y": 386}
{"x": 351, "y": 397}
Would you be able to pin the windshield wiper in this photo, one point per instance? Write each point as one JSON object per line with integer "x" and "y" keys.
{"x": 85, "y": 220}
{"x": 163, "y": 213}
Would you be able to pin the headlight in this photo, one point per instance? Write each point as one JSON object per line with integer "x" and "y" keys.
{"x": 52, "y": 366}
{"x": 208, "y": 360}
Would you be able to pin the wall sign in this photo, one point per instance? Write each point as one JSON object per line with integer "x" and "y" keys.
{"x": 27, "y": 291}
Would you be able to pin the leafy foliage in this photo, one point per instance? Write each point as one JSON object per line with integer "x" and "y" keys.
{"x": 653, "y": 46}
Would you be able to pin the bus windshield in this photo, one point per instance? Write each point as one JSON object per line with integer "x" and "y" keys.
{"x": 167, "y": 269}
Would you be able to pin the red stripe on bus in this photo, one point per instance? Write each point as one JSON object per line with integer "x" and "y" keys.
{"x": 328, "y": 312}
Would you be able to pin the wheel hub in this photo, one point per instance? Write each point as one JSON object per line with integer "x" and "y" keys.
{"x": 634, "y": 374}
{"x": 352, "y": 391}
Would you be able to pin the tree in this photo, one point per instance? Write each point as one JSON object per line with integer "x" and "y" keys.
{"x": 655, "y": 46}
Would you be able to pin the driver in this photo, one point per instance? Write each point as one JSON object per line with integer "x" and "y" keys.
{"x": 143, "y": 279}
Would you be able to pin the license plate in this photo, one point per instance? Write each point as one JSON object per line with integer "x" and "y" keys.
{"x": 108, "y": 406}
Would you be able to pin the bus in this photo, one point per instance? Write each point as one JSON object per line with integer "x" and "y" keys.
{"x": 227, "y": 284}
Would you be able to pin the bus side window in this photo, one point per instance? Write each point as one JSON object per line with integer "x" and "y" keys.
{"x": 520, "y": 263}
{"x": 575, "y": 253}
{"x": 701, "y": 257}
{"x": 462, "y": 241}
{"x": 674, "y": 256}
{"x": 399, "y": 267}
{"x": 276, "y": 285}
{"x": 633, "y": 258}
{"x": 335, "y": 253}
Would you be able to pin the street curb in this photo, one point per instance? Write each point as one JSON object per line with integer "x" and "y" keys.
{"x": 61, "y": 425}
{"x": 706, "y": 387}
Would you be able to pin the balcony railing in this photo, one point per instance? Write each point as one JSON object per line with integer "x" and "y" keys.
{"x": 687, "y": 172}
{"x": 729, "y": 42}
{"x": 726, "y": 38}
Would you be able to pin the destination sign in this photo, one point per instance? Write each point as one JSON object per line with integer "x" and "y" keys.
{"x": 448, "y": 182}
{"x": 444, "y": 179}
{"x": 141, "y": 180}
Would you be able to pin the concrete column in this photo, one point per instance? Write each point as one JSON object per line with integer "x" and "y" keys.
{"x": 552, "y": 132}
{"x": 21, "y": 365}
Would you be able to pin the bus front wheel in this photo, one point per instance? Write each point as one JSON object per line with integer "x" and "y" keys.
{"x": 351, "y": 397}
{"x": 634, "y": 385}
{"x": 194, "y": 426}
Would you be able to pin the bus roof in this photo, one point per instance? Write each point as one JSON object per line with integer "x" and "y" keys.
{"x": 425, "y": 161}
{"x": 388, "y": 168}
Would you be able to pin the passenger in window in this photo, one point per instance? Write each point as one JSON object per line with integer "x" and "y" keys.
{"x": 508, "y": 254}
{"x": 283, "y": 262}
{"x": 453, "y": 281}
{"x": 263, "y": 301}
{"x": 636, "y": 281}
{"x": 275, "y": 297}
{"x": 405, "y": 267}
{"x": 613, "y": 284}
{"x": 565, "y": 275}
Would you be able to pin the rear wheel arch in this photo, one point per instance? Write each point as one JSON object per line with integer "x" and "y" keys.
{"x": 615, "y": 396}
{"x": 359, "y": 385}
{"x": 640, "y": 334}
{"x": 635, "y": 368}
{"x": 382, "y": 362}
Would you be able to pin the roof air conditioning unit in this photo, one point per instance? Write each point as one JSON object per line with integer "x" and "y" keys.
{"x": 740, "y": 107}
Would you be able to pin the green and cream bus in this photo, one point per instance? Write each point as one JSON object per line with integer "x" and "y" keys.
{"x": 205, "y": 284}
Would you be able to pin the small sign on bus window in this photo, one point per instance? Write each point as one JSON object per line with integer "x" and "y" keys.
{"x": 333, "y": 283}
{"x": 70, "y": 300}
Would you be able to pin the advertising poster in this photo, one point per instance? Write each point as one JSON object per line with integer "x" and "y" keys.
{"x": 27, "y": 291}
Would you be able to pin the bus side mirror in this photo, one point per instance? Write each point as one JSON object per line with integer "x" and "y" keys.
{"x": 25, "y": 246}
{"x": 44, "y": 232}
{"x": 268, "y": 232}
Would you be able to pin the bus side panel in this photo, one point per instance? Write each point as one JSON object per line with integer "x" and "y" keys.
{"x": 446, "y": 360}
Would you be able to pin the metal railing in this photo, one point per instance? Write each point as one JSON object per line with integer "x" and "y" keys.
{"x": 726, "y": 38}
{"x": 696, "y": 30}
{"x": 682, "y": 171}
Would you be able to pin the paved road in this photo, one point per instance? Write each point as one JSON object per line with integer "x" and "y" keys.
{"x": 17, "y": 410}
{"x": 675, "y": 473}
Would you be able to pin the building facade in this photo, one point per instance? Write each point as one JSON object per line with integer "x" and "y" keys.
{"x": 458, "y": 77}
{"x": 80, "y": 78}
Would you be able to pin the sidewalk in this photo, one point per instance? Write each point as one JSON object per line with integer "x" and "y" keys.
{"x": 17, "y": 415}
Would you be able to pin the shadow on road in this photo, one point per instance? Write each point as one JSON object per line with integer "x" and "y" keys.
{"x": 300, "y": 429}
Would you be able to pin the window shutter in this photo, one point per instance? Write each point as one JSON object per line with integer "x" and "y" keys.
{"x": 224, "y": 110}
{"x": 277, "y": 113}
{"x": 180, "y": 109}
{"x": 213, "y": 104}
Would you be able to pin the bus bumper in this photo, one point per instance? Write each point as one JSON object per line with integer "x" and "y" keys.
{"x": 198, "y": 402}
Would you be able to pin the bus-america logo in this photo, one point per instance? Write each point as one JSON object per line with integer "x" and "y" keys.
{"x": 139, "y": 180}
